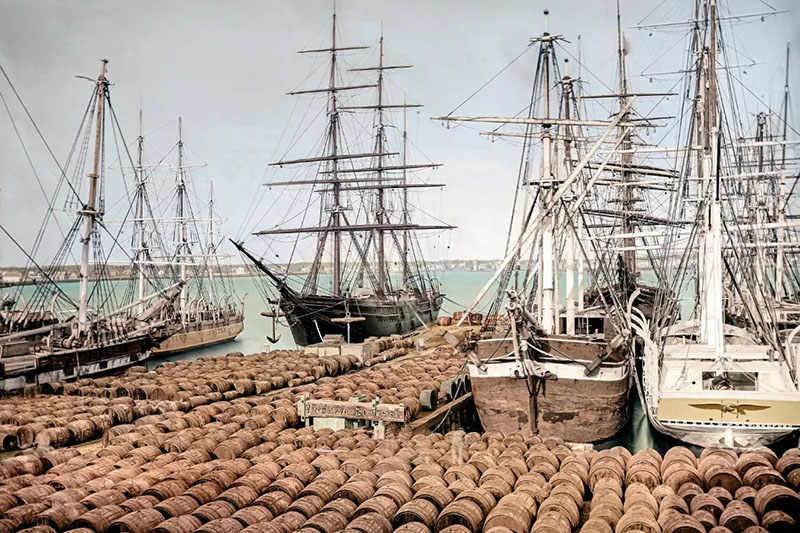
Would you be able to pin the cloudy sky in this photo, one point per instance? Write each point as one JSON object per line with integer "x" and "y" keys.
{"x": 226, "y": 67}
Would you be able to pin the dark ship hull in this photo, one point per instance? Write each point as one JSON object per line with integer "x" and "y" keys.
{"x": 18, "y": 372}
{"x": 312, "y": 317}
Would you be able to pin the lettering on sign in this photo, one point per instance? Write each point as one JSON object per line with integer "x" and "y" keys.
{"x": 355, "y": 410}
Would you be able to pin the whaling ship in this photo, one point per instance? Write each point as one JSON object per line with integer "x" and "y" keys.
{"x": 208, "y": 312}
{"x": 106, "y": 334}
{"x": 727, "y": 374}
{"x": 365, "y": 299}
{"x": 547, "y": 369}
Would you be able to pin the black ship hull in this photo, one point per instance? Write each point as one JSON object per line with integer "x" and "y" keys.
{"x": 312, "y": 317}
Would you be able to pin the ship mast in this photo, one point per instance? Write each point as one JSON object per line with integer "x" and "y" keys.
{"x": 211, "y": 252}
{"x": 782, "y": 200}
{"x": 89, "y": 212}
{"x": 336, "y": 208}
{"x": 629, "y": 254}
{"x": 376, "y": 181}
{"x": 381, "y": 210}
{"x": 548, "y": 275}
{"x": 140, "y": 215}
{"x": 405, "y": 193}
{"x": 183, "y": 245}
{"x": 711, "y": 309}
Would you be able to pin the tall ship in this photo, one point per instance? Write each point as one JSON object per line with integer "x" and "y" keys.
{"x": 365, "y": 241}
{"x": 724, "y": 372}
{"x": 100, "y": 330}
{"x": 549, "y": 362}
{"x": 208, "y": 311}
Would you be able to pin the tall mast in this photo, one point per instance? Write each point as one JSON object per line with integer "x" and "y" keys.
{"x": 629, "y": 255}
{"x": 379, "y": 150}
{"x": 405, "y": 192}
{"x": 711, "y": 309}
{"x": 211, "y": 252}
{"x": 547, "y": 242}
{"x": 337, "y": 235}
{"x": 569, "y": 245}
{"x": 89, "y": 211}
{"x": 182, "y": 254}
{"x": 140, "y": 214}
{"x": 781, "y": 203}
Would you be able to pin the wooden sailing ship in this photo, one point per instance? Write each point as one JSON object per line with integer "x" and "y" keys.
{"x": 723, "y": 375}
{"x": 208, "y": 312}
{"x": 104, "y": 335}
{"x": 547, "y": 369}
{"x": 364, "y": 299}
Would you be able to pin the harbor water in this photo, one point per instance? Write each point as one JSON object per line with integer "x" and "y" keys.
{"x": 460, "y": 289}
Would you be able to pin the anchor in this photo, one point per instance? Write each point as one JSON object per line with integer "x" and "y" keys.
{"x": 274, "y": 314}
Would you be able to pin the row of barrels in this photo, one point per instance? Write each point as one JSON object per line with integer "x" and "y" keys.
{"x": 135, "y": 462}
{"x": 325, "y": 481}
{"x": 179, "y": 380}
{"x": 56, "y": 421}
{"x": 70, "y": 420}
{"x": 722, "y": 491}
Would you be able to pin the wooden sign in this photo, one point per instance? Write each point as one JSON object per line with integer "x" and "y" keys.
{"x": 382, "y": 412}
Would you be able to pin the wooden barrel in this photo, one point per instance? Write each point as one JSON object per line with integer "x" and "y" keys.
{"x": 239, "y": 496}
{"x": 371, "y": 523}
{"x": 381, "y": 505}
{"x": 511, "y": 513}
{"x": 103, "y": 498}
{"x": 139, "y": 503}
{"x": 60, "y": 516}
{"x": 252, "y": 514}
{"x": 461, "y": 512}
{"x": 34, "y": 493}
{"x": 213, "y": 510}
{"x": 679, "y": 523}
{"x": 738, "y": 516}
{"x": 179, "y": 524}
{"x": 637, "y": 521}
{"x": 221, "y": 525}
{"x": 437, "y": 495}
{"x": 564, "y": 505}
{"x": 177, "y": 506}
{"x": 166, "y": 489}
{"x": 418, "y": 510}
{"x": 778, "y": 522}
{"x": 137, "y": 522}
{"x": 344, "y": 507}
{"x": 308, "y": 506}
{"x": 777, "y": 497}
{"x": 277, "y": 502}
{"x": 55, "y": 437}
{"x": 356, "y": 491}
{"x": 100, "y": 518}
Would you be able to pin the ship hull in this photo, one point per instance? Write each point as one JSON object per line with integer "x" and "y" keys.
{"x": 20, "y": 372}
{"x": 202, "y": 335}
{"x": 311, "y": 317}
{"x": 572, "y": 406}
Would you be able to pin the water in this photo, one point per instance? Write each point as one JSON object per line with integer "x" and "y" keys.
{"x": 460, "y": 288}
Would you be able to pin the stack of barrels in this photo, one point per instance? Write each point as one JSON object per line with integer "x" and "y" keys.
{"x": 223, "y": 476}
{"x": 180, "y": 380}
{"x": 94, "y": 405}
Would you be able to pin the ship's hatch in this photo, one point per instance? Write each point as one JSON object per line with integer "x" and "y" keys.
{"x": 742, "y": 381}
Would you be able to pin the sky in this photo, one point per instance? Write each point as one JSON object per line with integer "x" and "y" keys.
{"x": 225, "y": 68}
